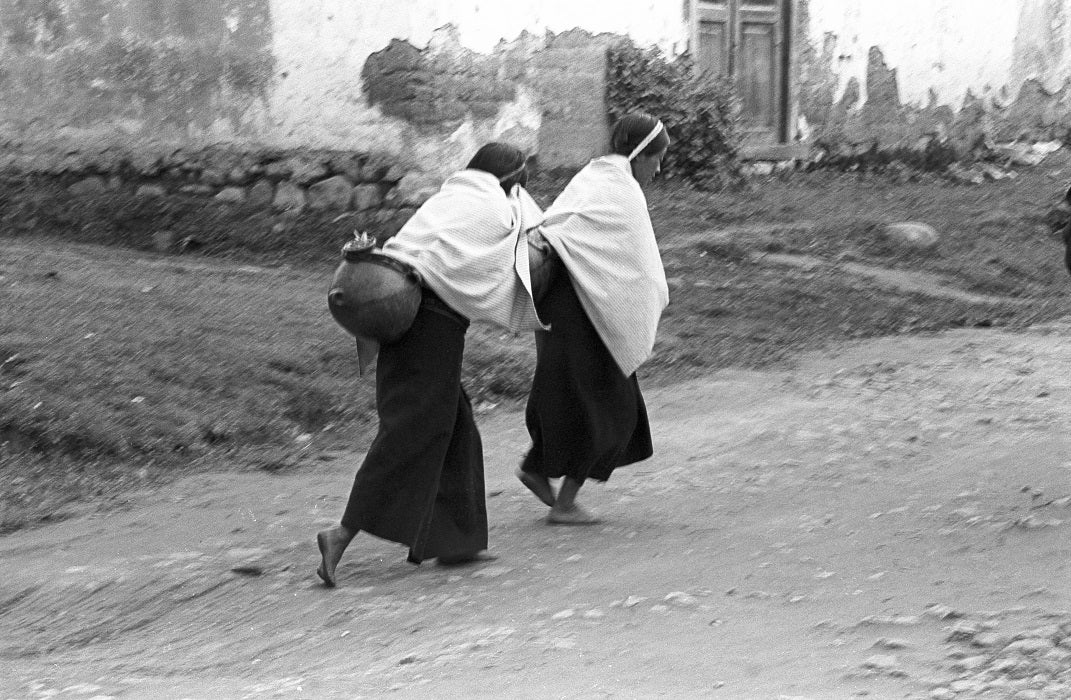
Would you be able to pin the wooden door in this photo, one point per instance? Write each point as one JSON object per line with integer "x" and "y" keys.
{"x": 747, "y": 41}
{"x": 713, "y": 40}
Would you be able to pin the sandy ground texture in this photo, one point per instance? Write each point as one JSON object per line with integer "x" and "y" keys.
{"x": 889, "y": 519}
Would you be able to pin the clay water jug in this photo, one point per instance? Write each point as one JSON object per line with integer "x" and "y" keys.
{"x": 373, "y": 295}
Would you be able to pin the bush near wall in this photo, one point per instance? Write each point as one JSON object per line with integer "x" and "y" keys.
{"x": 699, "y": 110}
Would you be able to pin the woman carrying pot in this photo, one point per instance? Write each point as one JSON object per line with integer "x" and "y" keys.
{"x": 585, "y": 412}
{"x": 421, "y": 483}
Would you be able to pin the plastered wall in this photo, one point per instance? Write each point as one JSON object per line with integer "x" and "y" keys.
{"x": 965, "y": 69}
{"x": 424, "y": 80}
{"x": 427, "y": 81}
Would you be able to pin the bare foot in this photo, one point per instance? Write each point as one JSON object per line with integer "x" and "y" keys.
{"x": 462, "y": 559}
{"x": 332, "y": 544}
{"x": 571, "y": 516}
{"x": 539, "y": 485}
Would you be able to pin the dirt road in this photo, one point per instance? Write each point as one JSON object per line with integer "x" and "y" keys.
{"x": 890, "y": 519}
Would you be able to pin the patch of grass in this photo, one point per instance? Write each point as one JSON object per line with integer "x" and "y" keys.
{"x": 124, "y": 358}
{"x": 726, "y": 310}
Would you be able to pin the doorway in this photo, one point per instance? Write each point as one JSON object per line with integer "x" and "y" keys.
{"x": 749, "y": 41}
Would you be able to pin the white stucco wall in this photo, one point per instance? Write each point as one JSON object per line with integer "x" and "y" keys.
{"x": 647, "y": 21}
{"x": 1044, "y": 44}
{"x": 312, "y": 96}
{"x": 321, "y": 46}
{"x": 946, "y": 45}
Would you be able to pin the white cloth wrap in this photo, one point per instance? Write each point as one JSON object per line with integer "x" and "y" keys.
{"x": 600, "y": 227}
{"x": 469, "y": 244}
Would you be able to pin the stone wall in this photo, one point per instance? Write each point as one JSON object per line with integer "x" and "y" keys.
{"x": 559, "y": 79}
{"x": 571, "y": 77}
{"x": 450, "y": 100}
{"x": 374, "y": 189}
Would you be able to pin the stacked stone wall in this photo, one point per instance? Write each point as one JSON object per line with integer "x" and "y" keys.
{"x": 377, "y": 191}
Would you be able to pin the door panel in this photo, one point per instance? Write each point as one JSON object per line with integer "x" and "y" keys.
{"x": 714, "y": 37}
{"x": 713, "y": 53}
{"x": 746, "y": 40}
{"x": 755, "y": 80}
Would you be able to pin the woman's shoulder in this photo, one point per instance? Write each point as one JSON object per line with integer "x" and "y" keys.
{"x": 470, "y": 177}
{"x": 612, "y": 160}
{"x": 603, "y": 174}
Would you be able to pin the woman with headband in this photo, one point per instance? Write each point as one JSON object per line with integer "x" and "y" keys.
{"x": 585, "y": 413}
{"x": 421, "y": 483}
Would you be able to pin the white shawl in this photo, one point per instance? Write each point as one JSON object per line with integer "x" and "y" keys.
{"x": 469, "y": 245}
{"x": 600, "y": 227}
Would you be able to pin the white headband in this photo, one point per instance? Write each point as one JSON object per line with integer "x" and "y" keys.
{"x": 513, "y": 173}
{"x": 647, "y": 141}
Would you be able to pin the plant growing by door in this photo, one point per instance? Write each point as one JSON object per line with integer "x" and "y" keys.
{"x": 700, "y": 111}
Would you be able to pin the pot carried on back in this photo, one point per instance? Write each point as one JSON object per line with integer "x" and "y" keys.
{"x": 543, "y": 264}
{"x": 372, "y": 295}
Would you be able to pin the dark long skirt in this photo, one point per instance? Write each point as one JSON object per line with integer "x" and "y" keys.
{"x": 585, "y": 417}
{"x": 421, "y": 483}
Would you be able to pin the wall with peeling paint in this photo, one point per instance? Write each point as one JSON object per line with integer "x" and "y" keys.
{"x": 290, "y": 73}
{"x": 427, "y": 81}
{"x": 322, "y": 54}
{"x": 893, "y": 73}
{"x": 944, "y": 46}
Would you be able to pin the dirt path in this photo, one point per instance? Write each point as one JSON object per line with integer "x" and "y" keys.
{"x": 882, "y": 521}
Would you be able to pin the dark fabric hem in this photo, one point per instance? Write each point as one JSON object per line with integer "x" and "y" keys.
{"x": 421, "y": 483}
{"x": 584, "y": 416}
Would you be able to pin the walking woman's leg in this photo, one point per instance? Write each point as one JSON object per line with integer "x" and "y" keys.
{"x": 417, "y": 388}
{"x": 539, "y": 485}
{"x": 455, "y": 528}
{"x": 565, "y": 510}
{"x": 332, "y": 543}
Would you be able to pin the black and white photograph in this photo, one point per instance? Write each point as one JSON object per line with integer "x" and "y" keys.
{"x": 535, "y": 350}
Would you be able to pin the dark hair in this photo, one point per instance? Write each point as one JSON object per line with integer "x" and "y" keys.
{"x": 502, "y": 159}
{"x": 631, "y": 130}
